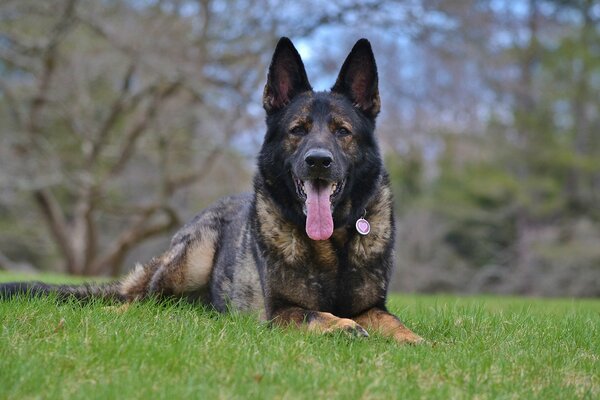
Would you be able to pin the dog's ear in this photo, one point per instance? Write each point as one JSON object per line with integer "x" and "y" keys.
{"x": 287, "y": 77}
{"x": 358, "y": 79}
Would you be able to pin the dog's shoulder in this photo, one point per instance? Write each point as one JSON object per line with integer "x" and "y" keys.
{"x": 379, "y": 215}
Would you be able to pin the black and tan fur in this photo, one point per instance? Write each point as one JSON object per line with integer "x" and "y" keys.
{"x": 252, "y": 252}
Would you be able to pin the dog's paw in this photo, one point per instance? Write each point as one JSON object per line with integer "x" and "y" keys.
{"x": 347, "y": 326}
{"x": 328, "y": 323}
{"x": 356, "y": 330}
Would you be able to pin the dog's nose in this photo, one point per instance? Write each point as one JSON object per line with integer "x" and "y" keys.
{"x": 318, "y": 158}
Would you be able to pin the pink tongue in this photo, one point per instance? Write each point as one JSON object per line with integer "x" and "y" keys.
{"x": 319, "y": 222}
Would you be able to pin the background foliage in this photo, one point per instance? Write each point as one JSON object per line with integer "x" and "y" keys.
{"x": 120, "y": 119}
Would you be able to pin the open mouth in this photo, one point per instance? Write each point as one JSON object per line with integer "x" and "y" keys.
{"x": 319, "y": 196}
{"x": 335, "y": 188}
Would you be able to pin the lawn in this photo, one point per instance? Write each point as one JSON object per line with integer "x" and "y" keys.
{"x": 480, "y": 347}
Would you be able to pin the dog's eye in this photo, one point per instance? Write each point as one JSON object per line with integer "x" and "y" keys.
{"x": 342, "y": 132}
{"x": 298, "y": 130}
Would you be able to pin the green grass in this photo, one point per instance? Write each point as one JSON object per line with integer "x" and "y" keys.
{"x": 482, "y": 347}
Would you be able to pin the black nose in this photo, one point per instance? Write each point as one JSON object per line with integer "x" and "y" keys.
{"x": 318, "y": 158}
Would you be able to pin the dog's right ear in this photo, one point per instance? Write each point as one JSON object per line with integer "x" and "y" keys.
{"x": 287, "y": 77}
{"x": 358, "y": 79}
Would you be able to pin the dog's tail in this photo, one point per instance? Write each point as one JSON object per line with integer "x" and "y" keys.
{"x": 85, "y": 292}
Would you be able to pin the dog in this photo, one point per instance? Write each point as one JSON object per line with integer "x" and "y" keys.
{"x": 312, "y": 246}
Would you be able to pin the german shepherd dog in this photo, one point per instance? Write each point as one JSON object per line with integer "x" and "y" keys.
{"x": 312, "y": 247}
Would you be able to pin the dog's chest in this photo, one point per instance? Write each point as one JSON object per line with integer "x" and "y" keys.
{"x": 326, "y": 276}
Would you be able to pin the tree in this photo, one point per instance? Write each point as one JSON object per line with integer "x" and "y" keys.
{"x": 95, "y": 92}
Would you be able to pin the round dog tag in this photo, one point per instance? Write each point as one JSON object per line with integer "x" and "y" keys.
{"x": 362, "y": 226}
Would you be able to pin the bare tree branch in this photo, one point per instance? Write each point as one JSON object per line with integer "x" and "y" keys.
{"x": 58, "y": 225}
{"x": 116, "y": 110}
{"x": 99, "y": 30}
{"x": 84, "y": 232}
{"x": 134, "y": 133}
{"x": 62, "y": 27}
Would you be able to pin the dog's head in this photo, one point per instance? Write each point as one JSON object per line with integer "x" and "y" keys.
{"x": 320, "y": 161}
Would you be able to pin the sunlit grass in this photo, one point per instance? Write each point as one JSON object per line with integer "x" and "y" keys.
{"x": 480, "y": 347}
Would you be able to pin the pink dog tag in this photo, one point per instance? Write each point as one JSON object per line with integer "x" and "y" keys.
{"x": 362, "y": 226}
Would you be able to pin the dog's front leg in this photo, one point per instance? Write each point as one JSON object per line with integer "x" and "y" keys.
{"x": 316, "y": 321}
{"x": 388, "y": 325}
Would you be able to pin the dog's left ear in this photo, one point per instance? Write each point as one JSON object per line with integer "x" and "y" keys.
{"x": 287, "y": 77}
{"x": 358, "y": 79}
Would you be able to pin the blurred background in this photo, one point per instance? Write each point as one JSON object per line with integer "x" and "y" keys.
{"x": 121, "y": 119}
